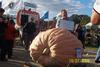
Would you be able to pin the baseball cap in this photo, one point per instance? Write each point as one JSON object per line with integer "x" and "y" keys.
{"x": 97, "y": 6}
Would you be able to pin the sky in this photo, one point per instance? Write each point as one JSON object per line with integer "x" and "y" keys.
{"x": 72, "y": 6}
{"x": 54, "y": 6}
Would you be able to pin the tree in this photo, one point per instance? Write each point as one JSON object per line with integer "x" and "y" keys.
{"x": 84, "y": 19}
{"x": 75, "y": 18}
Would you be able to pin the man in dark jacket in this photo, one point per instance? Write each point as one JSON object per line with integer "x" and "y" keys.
{"x": 2, "y": 31}
{"x": 29, "y": 33}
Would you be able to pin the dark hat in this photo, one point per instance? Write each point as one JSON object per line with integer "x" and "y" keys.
{"x": 2, "y": 10}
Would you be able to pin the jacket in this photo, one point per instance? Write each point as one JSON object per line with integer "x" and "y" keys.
{"x": 10, "y": 32}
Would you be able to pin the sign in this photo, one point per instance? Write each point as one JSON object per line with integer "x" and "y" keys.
{"x": 65, "y": 24}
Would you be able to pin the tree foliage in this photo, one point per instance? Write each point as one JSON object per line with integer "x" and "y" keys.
{"x": 82, "y": 19}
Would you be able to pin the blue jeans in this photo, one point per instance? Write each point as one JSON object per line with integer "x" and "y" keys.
{"x": 98, "y": 55}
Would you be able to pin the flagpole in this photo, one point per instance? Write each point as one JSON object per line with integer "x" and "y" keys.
{"x": 48, "y": 23}
{"x": 46, "y": 16}
{"x": 48, "y": 20}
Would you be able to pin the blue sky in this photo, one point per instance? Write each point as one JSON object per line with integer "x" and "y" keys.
{"x": 73, "y": 6}
{"x": 88, "y": 4}
{"x": 54, "y": 6}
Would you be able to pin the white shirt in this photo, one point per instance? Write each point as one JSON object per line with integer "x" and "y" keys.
{"x": 66, "y": 24}
{"x": 97, "y": 6}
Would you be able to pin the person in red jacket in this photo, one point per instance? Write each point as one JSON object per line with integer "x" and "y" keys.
{"x": 10, "y": 34}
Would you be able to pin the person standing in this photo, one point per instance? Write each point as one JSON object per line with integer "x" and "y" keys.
{"x": 2, "y": 31}
{"x": 64, "y": 22}
{"x": 95, "y": 20}
{"x": 81, "y": 34}
{"x": 10, "y": 34}
{"x": 29, "y": 31}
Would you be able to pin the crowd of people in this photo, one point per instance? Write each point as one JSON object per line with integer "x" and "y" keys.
{"x": 7, "y": 36}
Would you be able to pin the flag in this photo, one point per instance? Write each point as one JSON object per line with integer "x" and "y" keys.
{"x": 11, "y": 6}
{"x": 46, "y": 15}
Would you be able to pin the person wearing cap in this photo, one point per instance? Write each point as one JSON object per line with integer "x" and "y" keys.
{"x": 54, "y": 47}
{"x": 95, "y": 20}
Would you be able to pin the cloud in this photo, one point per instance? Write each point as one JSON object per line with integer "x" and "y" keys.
{"x": 68, "y": 1}
{"x": 54, "y": 6}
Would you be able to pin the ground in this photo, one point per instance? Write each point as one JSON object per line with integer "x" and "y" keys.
{"x": 20, "y": 56}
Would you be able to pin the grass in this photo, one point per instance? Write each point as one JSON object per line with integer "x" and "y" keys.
{"x": 91, "y": 48}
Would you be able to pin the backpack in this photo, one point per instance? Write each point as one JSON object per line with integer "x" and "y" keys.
{"x": 29, "y": 28}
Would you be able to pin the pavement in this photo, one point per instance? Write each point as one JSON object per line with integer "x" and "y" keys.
{"x": 20, "y": 56}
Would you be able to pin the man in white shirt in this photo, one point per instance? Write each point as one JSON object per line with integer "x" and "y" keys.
{"x": 64, "y": 22}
